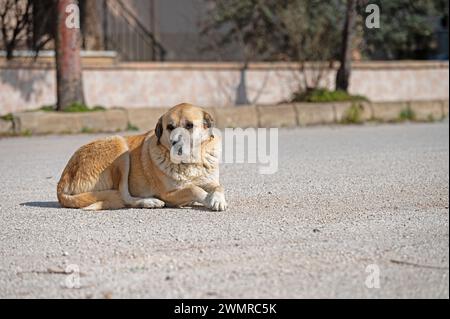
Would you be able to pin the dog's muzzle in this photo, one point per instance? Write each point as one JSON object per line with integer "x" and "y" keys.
{"x": 185, "y": 146}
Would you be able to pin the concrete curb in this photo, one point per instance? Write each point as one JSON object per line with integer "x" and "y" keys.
{"x": 342, "y": 109}
{"x": 145, "y": 119}
{"x": 427, "y": 110}
{"x": 239, "y": 116}
{"x": 114, "y": 120}
{"x": 314, "y": 113}
{"x": 6, "y": 127}
{"x": 283, "y": 115}
{"x": 445, "y": 108}
{"x": 388, "y": 111}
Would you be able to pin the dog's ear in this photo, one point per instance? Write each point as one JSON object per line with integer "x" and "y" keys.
{"x": 159, "y": 129}
{"x": 208, "y": 120}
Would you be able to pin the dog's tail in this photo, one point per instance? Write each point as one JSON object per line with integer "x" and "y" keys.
{"x": 97, "y": 200}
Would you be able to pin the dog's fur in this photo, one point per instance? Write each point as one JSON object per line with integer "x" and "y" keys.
{"x": 137, "y": 171}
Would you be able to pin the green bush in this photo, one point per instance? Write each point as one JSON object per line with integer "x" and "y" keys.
{"x": 325, "y": 95}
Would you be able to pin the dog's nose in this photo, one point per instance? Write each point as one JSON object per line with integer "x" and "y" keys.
{"x": 180, "y": 151}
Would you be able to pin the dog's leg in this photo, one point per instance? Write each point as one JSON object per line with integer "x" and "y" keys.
{"x": 216, "y": 197}
{"x": 124, "y": 167}
{"x": 185, "y": 196}
{"x": 214, "y": 200}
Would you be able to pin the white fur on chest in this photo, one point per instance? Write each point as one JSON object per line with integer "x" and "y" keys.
{"x": 182, "y": 175}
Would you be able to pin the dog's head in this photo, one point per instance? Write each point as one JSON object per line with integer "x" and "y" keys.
{"x": 183, "y": 130}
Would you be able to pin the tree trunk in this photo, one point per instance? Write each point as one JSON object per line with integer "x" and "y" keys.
{"x": 241, "y": 91}
{"x": 68, "y": 60}
{"x": 9, "y": 52}
{"x": 91, "y": 27}
{"x": 343, "y": 74}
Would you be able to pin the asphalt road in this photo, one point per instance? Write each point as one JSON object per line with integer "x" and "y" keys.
{"x": 346, "y": 203}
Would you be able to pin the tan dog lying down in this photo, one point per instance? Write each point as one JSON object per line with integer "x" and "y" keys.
{"x": 138, "y": 171}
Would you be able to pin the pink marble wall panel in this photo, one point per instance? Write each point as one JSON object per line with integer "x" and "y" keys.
{"x": 30, "y": 88}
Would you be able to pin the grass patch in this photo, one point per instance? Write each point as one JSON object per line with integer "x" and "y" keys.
{"x": 47, "y": 108}
{"x": 407, "y": 115}
{"x": 325, "y": 95}
{"x": 8, "y": 117}
{"x": 73, "y": 108}
{"x": 131, "y": 127}
{"x": 26, "y": 133}
{"x": 353, "y": 115}
{"x": 87, "y": 130}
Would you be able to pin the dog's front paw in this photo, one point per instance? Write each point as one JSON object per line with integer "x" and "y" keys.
{"x": 151, "y": 203}
{"x": 216, "y": 201}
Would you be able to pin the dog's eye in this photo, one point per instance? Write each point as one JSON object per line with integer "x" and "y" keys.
{"x": 189, "y": 126}
{"x": 170, "y": 127}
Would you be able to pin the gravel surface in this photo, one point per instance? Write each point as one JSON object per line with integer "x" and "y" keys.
{"x": 347, "y": 202}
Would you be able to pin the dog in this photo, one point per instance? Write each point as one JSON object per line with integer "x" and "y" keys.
{"x": 150, "y": 170}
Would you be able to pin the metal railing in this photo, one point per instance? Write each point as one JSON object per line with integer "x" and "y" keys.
{"x": 124, "y": 33}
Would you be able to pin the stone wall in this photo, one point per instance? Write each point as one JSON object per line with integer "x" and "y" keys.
{"x": 135, "y": 85}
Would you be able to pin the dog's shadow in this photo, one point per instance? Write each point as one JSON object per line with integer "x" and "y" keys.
{"x": 50, "y": 204}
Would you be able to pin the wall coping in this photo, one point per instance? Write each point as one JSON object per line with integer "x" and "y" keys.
{"x": 407, "y": 64}
{"x": 51, "y": 53}
{"x": 150, "y": 66}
